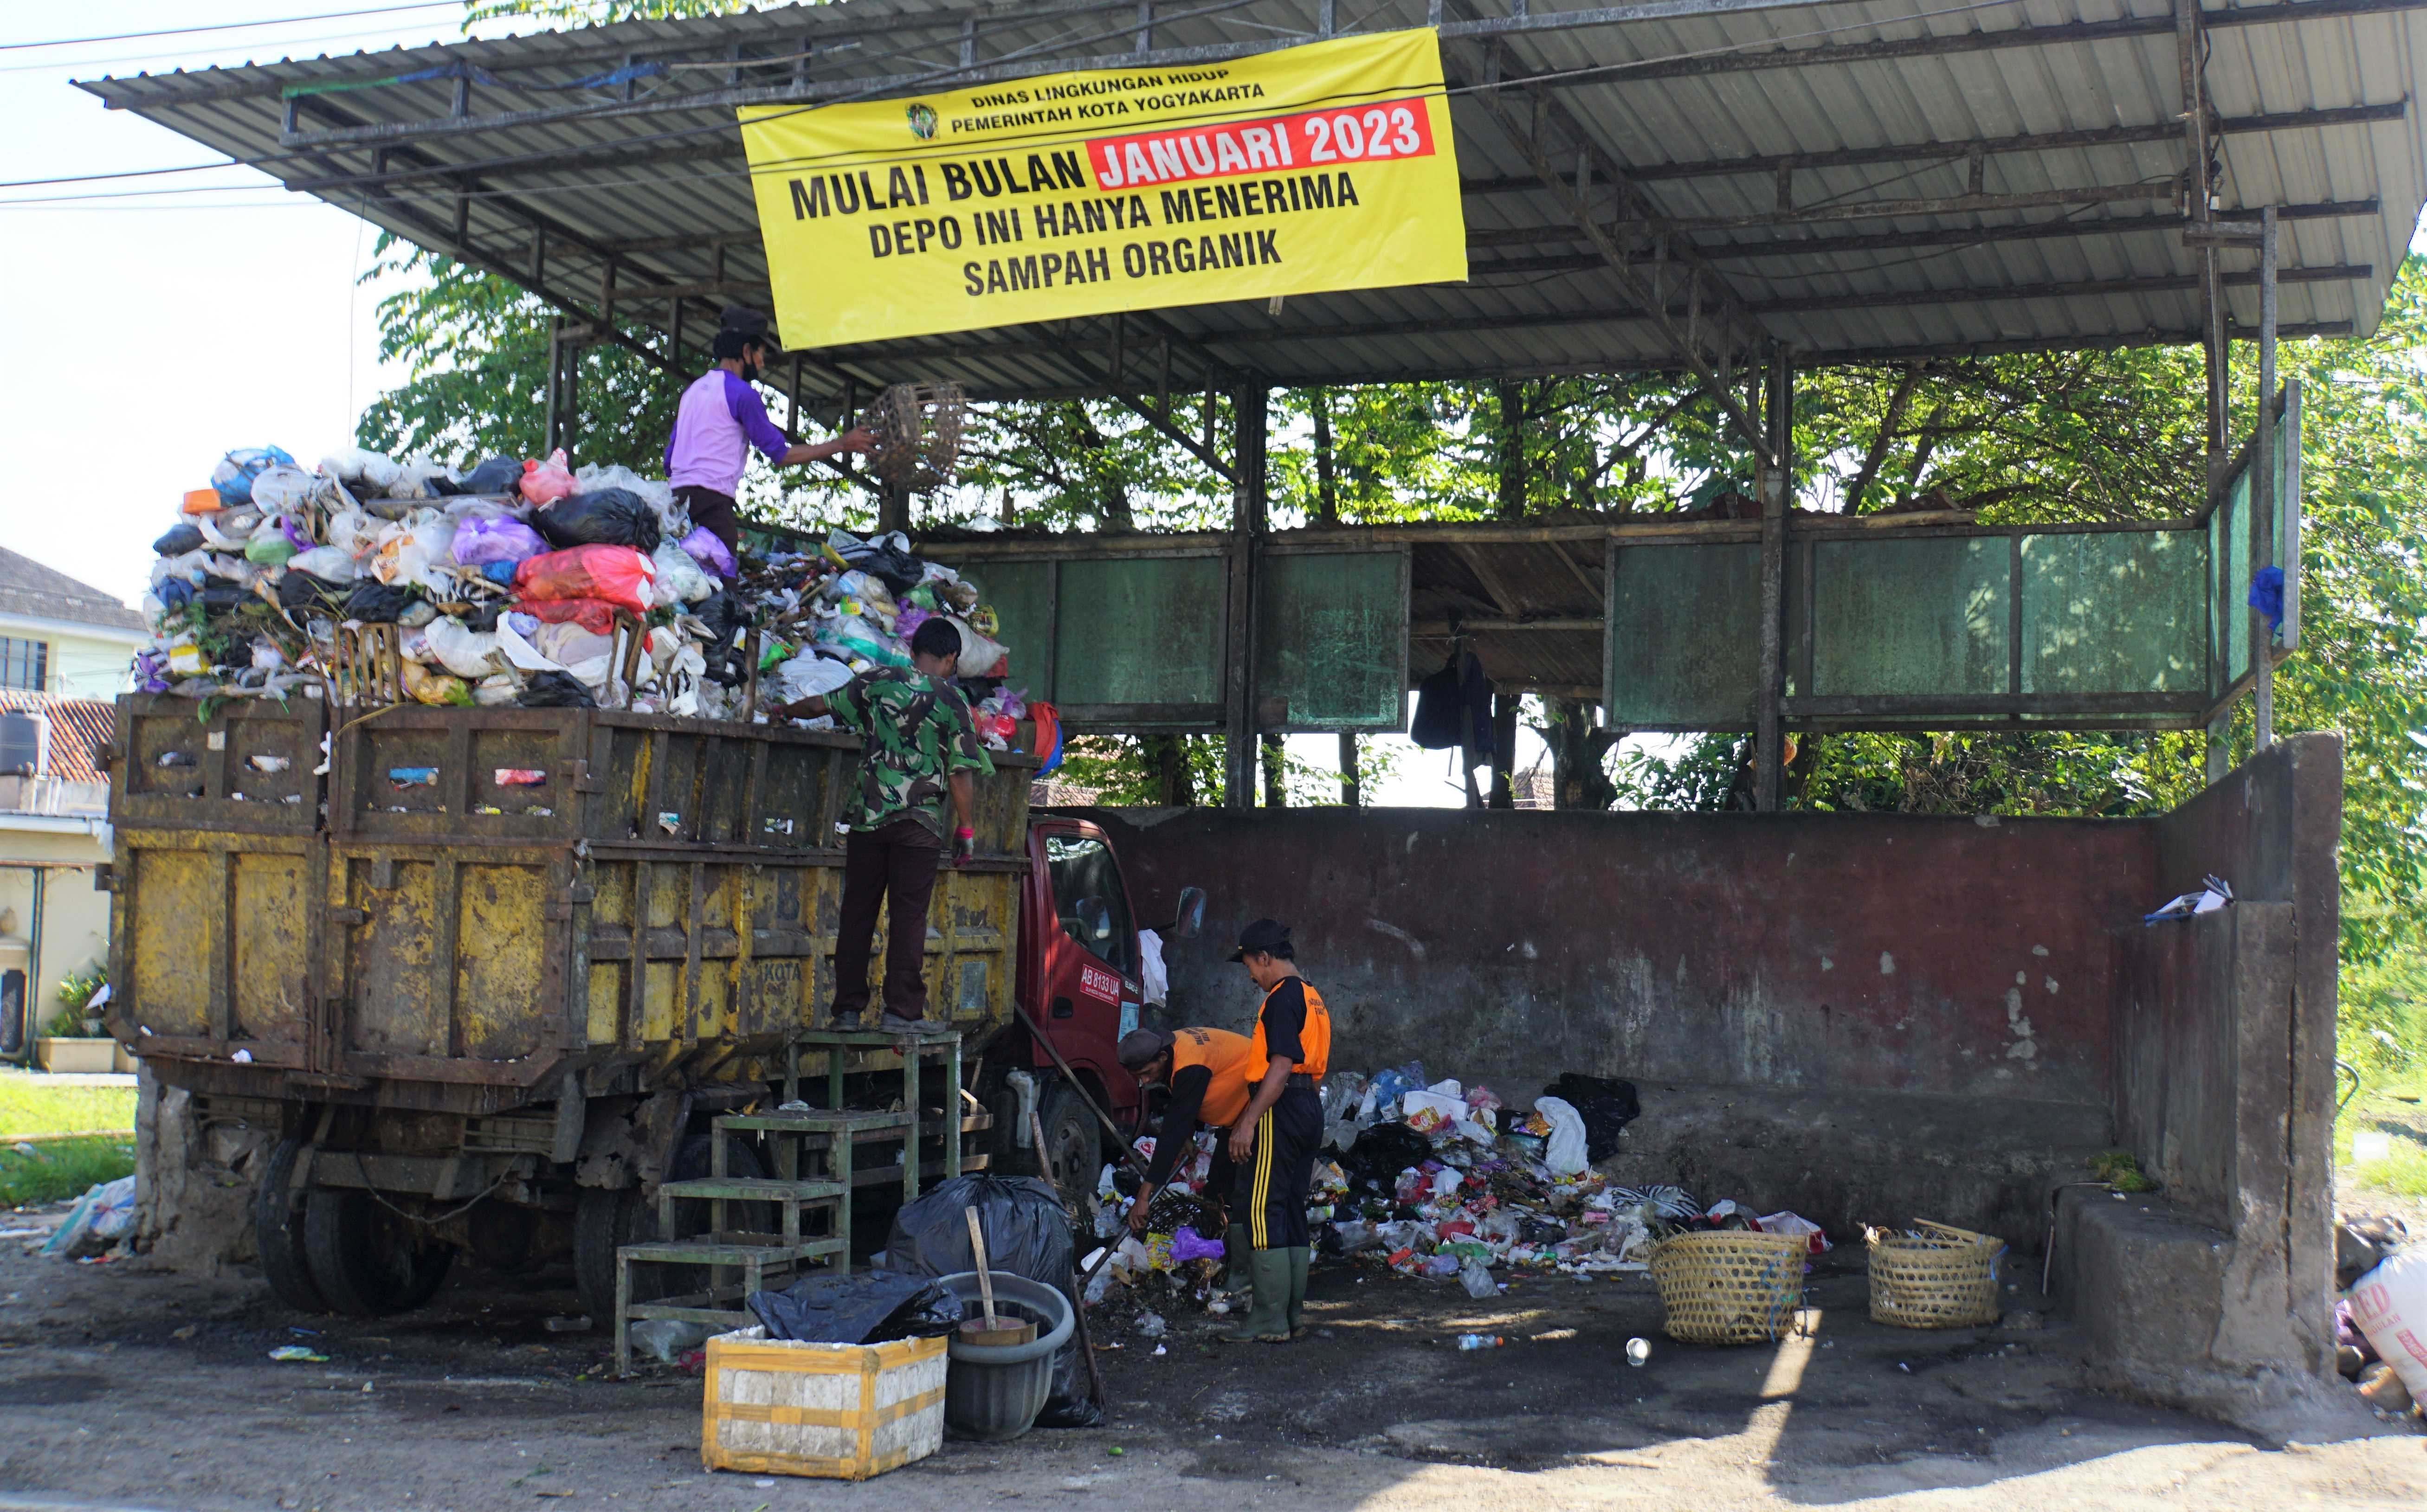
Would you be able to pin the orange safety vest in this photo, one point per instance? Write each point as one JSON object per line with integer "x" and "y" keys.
{"x": 1313, "y": 1041}
{"x": 1224, "y": 1055}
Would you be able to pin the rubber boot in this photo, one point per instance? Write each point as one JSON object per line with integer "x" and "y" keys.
{"x": 1234, "y": 1259}
{"x": 1267, "y": 1322}
{"x": 1298, "y": 1260}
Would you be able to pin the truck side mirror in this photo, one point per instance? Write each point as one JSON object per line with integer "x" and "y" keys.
{"x": 1190, "y": 921}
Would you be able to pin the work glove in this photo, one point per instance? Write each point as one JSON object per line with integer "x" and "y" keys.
{"x": 964, "y": 846}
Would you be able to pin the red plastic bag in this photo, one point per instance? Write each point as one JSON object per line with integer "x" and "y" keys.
{"x": 619, "y": 574}
{"x": 544, "y": 482}
{"x": 592, "y": 614}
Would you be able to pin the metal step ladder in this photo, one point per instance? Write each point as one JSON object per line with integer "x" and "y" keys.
{"x": 816, "y": 1154}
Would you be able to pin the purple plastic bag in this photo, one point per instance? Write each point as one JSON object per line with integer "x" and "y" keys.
{"x": 703, "y": 548}
{"x": 1187, "y": 1245}
{"x": 481, "y": 541}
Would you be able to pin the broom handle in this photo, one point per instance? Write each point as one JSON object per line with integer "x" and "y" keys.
{"x": 985, "y": 1279}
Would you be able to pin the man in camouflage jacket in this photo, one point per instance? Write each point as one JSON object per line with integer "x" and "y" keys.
{"x": 921, "y": 745}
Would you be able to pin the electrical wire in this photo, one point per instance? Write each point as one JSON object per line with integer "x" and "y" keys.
{"x": 229, "y": 26}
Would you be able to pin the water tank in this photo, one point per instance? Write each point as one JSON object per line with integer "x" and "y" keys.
{"x": 20, "y": 743}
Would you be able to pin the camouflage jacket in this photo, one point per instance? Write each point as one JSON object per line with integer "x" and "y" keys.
{"x": 919, "y": 734}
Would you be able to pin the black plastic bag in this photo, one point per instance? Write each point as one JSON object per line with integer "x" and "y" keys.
{"x": 866, "y": 1307}
{"x": 604, "y": 517}
{"x": 728, "y": 659}
{"x": 1027, "y": 1233}
{"x": 1374, "y": 1163}
{"x": 498, "y": 475}
{"x": 1607, "y": 1104}
{"x": 897, "y": 570}
{"x": 555, "y": 690}
{"x": 219, "y": 597}
{"x": 180, "y": 540}
{"x": 1454, "y": 709}
{"x": 301, "y": 589}
{"x": 377, "y": 603}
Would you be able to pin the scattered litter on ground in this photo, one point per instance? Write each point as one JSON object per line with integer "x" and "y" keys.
{"x": 298, "y": 1354}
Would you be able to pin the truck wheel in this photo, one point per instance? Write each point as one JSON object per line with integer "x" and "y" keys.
{"x": 1071, "y": 1144}
{"x": 278, "y": 1233}
{"x": 370, "y": 1261}
{"x": 606, "y": 1220}
{"x": 504, "y": 1238}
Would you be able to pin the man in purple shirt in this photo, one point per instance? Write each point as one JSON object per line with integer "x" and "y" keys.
{"x": 720, "y": 418}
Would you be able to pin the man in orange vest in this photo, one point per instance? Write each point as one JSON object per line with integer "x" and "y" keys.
{"x": 1274, "y": 1141}
{"x": 1206, "y": 1070}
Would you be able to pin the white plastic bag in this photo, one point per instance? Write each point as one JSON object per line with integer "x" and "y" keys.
{"x": 328, "y": 563}
{"x": 980, "y": 656}
{"x": 371, "y": 471}
{"x": 2389, "y": 1305}
{"x": 471, "y": 655}
{"x": 1566, "y": 1155}
{"x": 680, "y": 579}
{"x": 1151, "y": 968}
{"x": 354, "y": 532}
{"x": 284, "y": 489}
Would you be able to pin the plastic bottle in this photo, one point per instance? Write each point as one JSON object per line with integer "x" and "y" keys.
{"x": 1480, "y": 1341}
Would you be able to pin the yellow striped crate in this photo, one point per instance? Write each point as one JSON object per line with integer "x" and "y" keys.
{"x": 776, "y": 1406}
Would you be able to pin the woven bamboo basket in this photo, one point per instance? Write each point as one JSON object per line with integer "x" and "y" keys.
{"x": 1729, "y": 1287}
{"x": 1935, "y": 1276}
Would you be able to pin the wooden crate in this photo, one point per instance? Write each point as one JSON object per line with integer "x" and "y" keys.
{"x": 775, "y": 1407}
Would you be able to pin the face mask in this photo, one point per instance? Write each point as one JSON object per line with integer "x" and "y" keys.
{"x": 749, "y": 371}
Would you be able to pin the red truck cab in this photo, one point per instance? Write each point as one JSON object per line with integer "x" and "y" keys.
{"x": 1082, "y": 980}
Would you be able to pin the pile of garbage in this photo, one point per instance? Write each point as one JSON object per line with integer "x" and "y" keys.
{"x": 1439, "y": 1180}
{"x": 525, "y": 582}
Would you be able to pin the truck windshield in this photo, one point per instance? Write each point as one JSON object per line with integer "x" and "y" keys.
{"x": 1082, "y": 867}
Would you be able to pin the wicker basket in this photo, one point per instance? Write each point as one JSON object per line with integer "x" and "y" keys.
{"x": 1729, "y": 1287}
{"x": 1935, "y": 1275}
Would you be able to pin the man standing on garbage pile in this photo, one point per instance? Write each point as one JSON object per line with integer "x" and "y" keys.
{"x": 722, "y": 418}
{"x": 1206, "y": 1070}
{"x": 1279, "y": 1131}
{"x": 922, "y": 744}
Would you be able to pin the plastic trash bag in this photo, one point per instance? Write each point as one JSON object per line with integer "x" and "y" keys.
{"x": 234, "y": 477}
{"x": 1027, "y": 1233}
{"x": 498, "y": 475}
{"x": 680, "y": 579}
{"x": 467, "y": 653}
{"x": 555, "y": 690}
{"x": 618, "y": 575}
{"x": 301, "y": 589}
{"x": 867, "y": 1307}
{"x": 329, "y": 564}
{"x": 377, "y": 603}
{"x": 655, "y": 491}
{"x": 373, "y": 472}
{"x": 544, "y": 482}
{"x": 981, "y": 657}
{"x": 706, "y": 548}
{"x": 353, "y": 533}
{"x": 283, "y": 488}
{"x": 1607, "y": 1104}
{"x": 483, "y": 539}
{"x": 424, "y": 686}
{"x": 422, "y": 477}
{"x": 269, "y": 548}
{"x": 594, "y": 615}
{"x": 1566, "y": 1152}
{"x": 100, "y": 1218}
{"x": 610, "y": 518}
{"x": 807, "y": 676}
{"x": 179, "y": 539}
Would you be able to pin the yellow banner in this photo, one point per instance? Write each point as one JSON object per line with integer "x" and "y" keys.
{"x": 1321, "y": 167}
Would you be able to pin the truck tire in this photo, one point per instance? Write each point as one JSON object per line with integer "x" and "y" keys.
{"x": 278, "y": 1232}
{"x": 608, "y": 1219}
{"x": 369, "y": 1259}
{"x": 1072, "y": 1143}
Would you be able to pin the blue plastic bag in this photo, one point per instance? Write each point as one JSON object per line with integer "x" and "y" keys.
{"x": 233, "y": 478}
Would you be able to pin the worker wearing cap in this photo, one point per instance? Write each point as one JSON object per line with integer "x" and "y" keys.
{"x": 1278, "y": 1133}
{"x": 721, "y": 417}
{"x": 1206, "y": 1070}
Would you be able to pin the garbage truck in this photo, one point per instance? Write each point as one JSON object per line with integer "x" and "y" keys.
{"x": 490, "y": 973}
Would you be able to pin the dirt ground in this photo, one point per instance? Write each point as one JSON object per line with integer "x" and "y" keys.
{"x": 124, "y": 1385}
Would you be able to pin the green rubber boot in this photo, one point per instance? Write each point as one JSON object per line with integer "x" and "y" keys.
{"x": 1234, "y": 1260}
{"x": 1267, "y": 1322}
{"x": 1298, "y": 1259}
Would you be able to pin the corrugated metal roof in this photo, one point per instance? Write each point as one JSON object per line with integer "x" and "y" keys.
{"x": 2068, "y": 242}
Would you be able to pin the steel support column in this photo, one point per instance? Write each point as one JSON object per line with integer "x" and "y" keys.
{"x": 2199, "y": 195}
{"x": 2263, "y": 468}
{"x": 1777, "y": 482}
{"x": 1249, "y": 422}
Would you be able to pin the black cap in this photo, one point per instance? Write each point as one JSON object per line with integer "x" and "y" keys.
{"x": 748, "y": 323}
{"x": 1263, "y": 937}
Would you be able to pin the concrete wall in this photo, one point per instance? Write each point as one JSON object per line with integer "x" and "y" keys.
{"x": 1867, "y": 1017}
{"x": 2215, "y": 1292}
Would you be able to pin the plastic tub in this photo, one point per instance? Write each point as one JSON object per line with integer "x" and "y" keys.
{"x": 996, "y": 1392}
